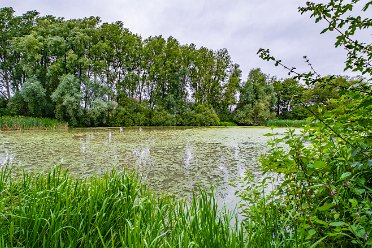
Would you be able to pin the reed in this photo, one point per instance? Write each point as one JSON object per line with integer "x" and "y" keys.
{"x": 290, "y": 123}
{"x": 227, "y": 124}
{"x": 22, "y": 122}
{"x": 112, "y": 210}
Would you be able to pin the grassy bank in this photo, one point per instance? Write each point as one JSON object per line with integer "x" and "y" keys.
{"x": 289, "y": 123}
{"x": 227, "y": 124}
{"x": 21, "y": 122}
{"x": 114, "y": 210}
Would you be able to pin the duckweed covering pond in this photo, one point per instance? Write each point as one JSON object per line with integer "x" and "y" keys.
{"x": 173, "y": 160}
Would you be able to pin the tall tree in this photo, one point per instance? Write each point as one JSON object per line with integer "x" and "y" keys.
{"x": 11, "y": 26}
{"x": 257, "y": 99}
{"x": 288, "y": 93}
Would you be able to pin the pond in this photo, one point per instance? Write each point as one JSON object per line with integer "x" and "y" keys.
{"x": 172, "y": 160}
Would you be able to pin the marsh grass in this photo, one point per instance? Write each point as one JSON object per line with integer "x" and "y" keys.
{"x": 22, "y": 122}
{"x": 112, "y": 210}
{"x": 227, "y": 124}
{"x": 290, "y": 123}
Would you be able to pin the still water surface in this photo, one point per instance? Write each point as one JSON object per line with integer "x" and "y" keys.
{"x": 172, "y": 160}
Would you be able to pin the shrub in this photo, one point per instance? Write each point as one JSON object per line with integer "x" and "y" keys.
{"x": 99, "y": 113}
{"x": 131, "y": 114}
{"x": 160, "y": 117}
{"x": 17, "y": 105}
{"x": 256, "y": 114}
{"x": 3, "y": 106}
{"x": 323, "y": 188}
{"x": 34, "y": 95}
{"x": 200, "y": 115}
{"x": 67, "y": 98}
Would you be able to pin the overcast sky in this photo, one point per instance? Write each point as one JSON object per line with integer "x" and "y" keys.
{"x": 241, "y": 26}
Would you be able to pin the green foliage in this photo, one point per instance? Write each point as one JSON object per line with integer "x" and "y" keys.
{"x": 227, "y": 124}
{"x": 288, "y": 94}
{"x": 290, "y": 123}
{"x": 110, "y": 64}
{"x": 67, "y": 98}
{"x": 3, "y": 106}
{"x": 132, "y": 114}
{"x": 324, "y": 186}
{"x": 21, "y": 122}
{"x": 17, "y": 105}
{"x": 317, "y": 184}
{"x": 112, "y": 210}
{"x": 200, "y": 115}
{"x": 257, "y": 114}
{"x": 256, "y": 100}
{"x": 160, "y": 117}
{"x": 347, "y": 19}
{"x": 99, "y": 113}
{"x": 33, "y": 95}
{"x": 11, "y": 71}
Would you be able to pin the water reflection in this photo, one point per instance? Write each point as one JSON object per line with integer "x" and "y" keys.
{"x": 175, "y": 160}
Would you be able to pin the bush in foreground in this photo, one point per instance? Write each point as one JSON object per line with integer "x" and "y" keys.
{"x": 113, "y": 210}
{"x": 321, "y": 181}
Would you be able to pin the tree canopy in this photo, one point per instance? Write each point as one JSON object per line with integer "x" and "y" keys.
{"x": 91, "y": 73}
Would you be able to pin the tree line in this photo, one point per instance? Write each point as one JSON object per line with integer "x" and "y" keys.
{"x": 91, "y": 73}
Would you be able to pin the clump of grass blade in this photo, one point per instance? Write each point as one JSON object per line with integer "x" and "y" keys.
{"x": 22, "y": 122}
{"x": 290, "y": 123}
{"x": 112, "y": 210}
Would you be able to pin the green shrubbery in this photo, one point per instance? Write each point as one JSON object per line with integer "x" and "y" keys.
{"x": 316, "y": 189}
{"x": 200, "y": 115}
{"x": 321, "y": 181}
{"x": 139, "y": 114}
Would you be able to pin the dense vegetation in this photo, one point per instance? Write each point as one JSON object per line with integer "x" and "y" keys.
{"x": 113, "y": 210}
{"x": 19, "y": 122}
{"x": 316, "y": 188}
{"x": 90, "y": 73}
{"x": 317, "y": 185}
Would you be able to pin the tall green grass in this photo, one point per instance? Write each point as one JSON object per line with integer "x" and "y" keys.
{"x": 21, "y": 122}
{"x": 227, "y": 124}
{"x": 290, "y": 123}
{"x": 113, "y": 210}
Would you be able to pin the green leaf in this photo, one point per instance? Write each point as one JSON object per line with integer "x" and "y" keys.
{"x": 359, "y": 191}
{"x": 310, "y": 233}
{"x": 319, "y": 164}
{"x": 357, "y": 230}
{"x": 345, "y": 175}
{"x": 318, "y": 242}
{"x": 321, "y": 222}
{"x": 353, "y": 202}
{"x": 355, "y": 152}
{"x": 337, "y": 223}
{"x": 324, "y": 30}
{"x": 326, "y": 206}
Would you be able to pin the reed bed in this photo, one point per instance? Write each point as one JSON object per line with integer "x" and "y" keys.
{"x": 22, "y": 122}
{"x": 112, "y": 210}
{"x": 290, "y": 123}
{"x": 227, "y": 124}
